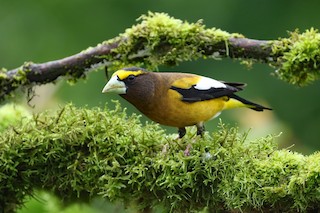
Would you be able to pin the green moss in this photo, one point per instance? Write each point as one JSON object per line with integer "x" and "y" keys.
{"x": 79, "y": 153}
{"x": 298, "y": 57}
{"x": 21, "y": 77}
{"x": 160, "y": 39}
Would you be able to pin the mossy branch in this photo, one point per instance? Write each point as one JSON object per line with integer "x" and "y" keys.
{"x": 163, "y": 40}
{"x": 81, "y": 153}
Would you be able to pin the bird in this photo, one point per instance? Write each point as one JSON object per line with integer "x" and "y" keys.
{"x": 177, "y": 99}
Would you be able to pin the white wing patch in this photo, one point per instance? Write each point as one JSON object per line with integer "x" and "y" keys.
{"x": 206, "y": 83}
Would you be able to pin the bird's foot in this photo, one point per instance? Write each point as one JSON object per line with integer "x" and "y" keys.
{"x": 200, "y": 129}
{"x": 182, "y": 132}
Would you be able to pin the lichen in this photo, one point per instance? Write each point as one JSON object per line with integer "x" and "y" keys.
{"x": 298, "y": 60}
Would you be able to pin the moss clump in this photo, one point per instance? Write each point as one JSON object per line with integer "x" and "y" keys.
{"x": 299, "y": 56}
{"x": 162, "y": 40}
{"x": 79, "y": 153}
{"x": 69, "y": 151}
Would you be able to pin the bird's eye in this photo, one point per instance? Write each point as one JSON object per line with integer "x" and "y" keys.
{"x": 131, "y": 77}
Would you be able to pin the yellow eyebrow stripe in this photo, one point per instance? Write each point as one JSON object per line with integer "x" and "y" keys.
{"x": 186, "y": 82}
{"x": 123, "y": 74}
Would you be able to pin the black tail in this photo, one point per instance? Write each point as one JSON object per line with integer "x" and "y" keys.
{"x": 238, "y": 85}
{"x": 251, "y": 105}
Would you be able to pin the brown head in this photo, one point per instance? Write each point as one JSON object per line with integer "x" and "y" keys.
{"x": 134, "y": 84}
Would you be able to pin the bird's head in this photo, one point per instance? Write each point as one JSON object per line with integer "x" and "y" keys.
{"x": 124, "y": 79}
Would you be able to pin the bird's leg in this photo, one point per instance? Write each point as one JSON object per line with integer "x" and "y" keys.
{"x": 200, "y": 129}
{"x": 182, "y": 132}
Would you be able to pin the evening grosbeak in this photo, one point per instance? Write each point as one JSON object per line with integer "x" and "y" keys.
{"x": 177, "y": 99}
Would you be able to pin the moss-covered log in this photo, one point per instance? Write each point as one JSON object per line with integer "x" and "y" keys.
{"x": 79, "y": 153}
{"x": 162, "y": 40}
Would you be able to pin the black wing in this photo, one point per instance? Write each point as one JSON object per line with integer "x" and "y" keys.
{"x": 193, "y": 95}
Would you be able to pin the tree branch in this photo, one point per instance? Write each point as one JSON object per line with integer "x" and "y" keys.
{"x": 75, "y": 66}
{"x": 245, "y": 48}
{"x": 82, "y": 153}
{"x": 160, "y": 39}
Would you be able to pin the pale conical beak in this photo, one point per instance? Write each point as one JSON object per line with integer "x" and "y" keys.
{"x": 115, "y": 86}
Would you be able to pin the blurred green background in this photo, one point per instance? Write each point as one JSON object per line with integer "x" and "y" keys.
{"x": 40, "y": 31}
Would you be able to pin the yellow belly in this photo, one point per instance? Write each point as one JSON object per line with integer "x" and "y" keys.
{"x": 180, "y": 114}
